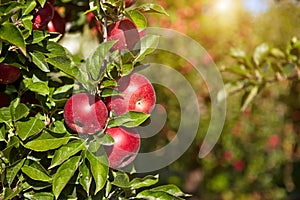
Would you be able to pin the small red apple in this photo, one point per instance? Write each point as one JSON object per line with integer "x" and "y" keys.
{"x": 138, "y": 95}
{"x": 4, "y": 100}
{"x": 125, "y": 32}
{"x": 94, "y": 24}
{"x": 85, "y": 113}
{"x": 125, "y": 147}
{"x": 129, "y": 3}
{"x": 273, "y": 141}
{"x": 239, "y": 165}
{"x": 43, "y": 16}
{"x": 57, "y": 24}
{"x": 8, "y": 73}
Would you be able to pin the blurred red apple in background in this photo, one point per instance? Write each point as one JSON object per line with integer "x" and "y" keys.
{"x": 129, "y": 3}
{"x": 57, "y": 24}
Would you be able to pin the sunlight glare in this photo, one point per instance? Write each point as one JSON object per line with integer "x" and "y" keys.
{"x": 223, "y": 5}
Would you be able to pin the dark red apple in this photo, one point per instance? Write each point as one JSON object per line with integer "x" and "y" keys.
{"x": 4, "y": 100}
{"x": 8, "y": 73}
{"x": 85, "y": 113}
{"x": 51, "y": 1}
{"x": 43, "y": 16}
{"x": 125, "y": 147}
{"x": 125, "y": 32}
{"x": 137, "y": 95}
{"x": 57, "y": 24}
{"x": 129, "y": 3}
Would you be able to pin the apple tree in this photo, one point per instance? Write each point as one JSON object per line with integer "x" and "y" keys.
{"x": 68, "y": 124}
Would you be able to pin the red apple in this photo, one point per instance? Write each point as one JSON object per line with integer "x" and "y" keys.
{"x": 125, "y": 147}
{"x": 125, "y": 32}
{"x": 129, "y": 3}
{"x": 4, "y": 100}
{"x": 239, "y": 165}
{"x": 43, "y": 17}
{"x": 85, "y": 113}
{"x": 8, "y": 73}
{"x": 57, "y": 24}
{"x": 138, "y": 95}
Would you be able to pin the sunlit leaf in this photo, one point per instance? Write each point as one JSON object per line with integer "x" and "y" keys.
{"x": 66, "y": 151}
{"x": 64, "y": 174}
{"x": 29, "y": 128}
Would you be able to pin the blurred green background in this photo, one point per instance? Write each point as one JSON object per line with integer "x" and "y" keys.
{"x": 258, "y": 154}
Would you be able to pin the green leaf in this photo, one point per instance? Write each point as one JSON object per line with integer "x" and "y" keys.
{"x": 12, "y": 171}
{"x": 38, "y": 36}
{"x": 2, "y": 133}
{"x": 138, "y": 18}
{"x": 127, "y": 69}
{"x": 99, "y": 168}
{"x": 170, "y": 189}
{"x": 260, "y": 53}
{"x": 237, "y": 53}
{"x": 143, "y": 182}
{"x": 109, "y": 83}
{"x": 107, "y": 92}
{"x": 240, "y": 70}
{"x": 63, "y": 89}
{"x": 95, "y": 65}
{"x": 29, "y": 128}
{"x": 27, "y": 22}
{"x": 152, "y": 8}
{"x": 11, "y": 193}
{"x": 64, "y": 64}
{"x": 16, "y": 110}
{"x": 54, "y": 49}
{"x": 13, "y": 35}
{"x": 64, "y": 174}
{"x": 30, "y": 5}
{"x": 249, "y": 97}
{"x": 5, "y": 115}
{"x": 148, "y": 45}
{"x": 40, "y": 196}
{"x": 40, "y": 61}
{"x": 46, "y": 142}
{"x": 40, "y": 88}
{"x": 66, "y": 151}
{"x": 130, "y": 119}
{"x": 12, "y": 142}
{"x": 42, "y": 2}
{"x": 152, "y": 195}
{"x": 20, "y": 111}
{"x": 106, "y": 139}
{"x": 121, "y": 179}
{"x": 36, "y": 174}
{"x": 85, "y": 178}
{"x": 58, "y": 127}
{"x": 277, "y": 53}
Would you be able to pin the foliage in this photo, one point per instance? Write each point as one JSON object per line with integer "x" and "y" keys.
{"x": 40, "y": 157}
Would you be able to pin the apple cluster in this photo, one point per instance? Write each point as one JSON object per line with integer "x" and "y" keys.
{"x": 89, "y": 114}
{"x": 48, "y": 18}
